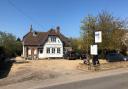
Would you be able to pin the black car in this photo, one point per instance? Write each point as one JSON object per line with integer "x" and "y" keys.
{"x": 115, "y": 57}
{"x": 71, "y": 55}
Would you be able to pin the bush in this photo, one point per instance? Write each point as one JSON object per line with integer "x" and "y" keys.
{"x": 10, "y": 45}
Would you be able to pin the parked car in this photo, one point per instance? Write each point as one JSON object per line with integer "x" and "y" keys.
{"x": 115, "y": 57}
{"x": 126, "y": 58}
{"x": 71, "y": 55}
{"x": 78, "y": 55}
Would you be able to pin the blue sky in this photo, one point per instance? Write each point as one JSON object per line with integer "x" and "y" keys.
{"x": 16, "y": 16}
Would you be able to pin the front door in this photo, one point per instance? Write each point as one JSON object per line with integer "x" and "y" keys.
{"x": 40, "y": 52}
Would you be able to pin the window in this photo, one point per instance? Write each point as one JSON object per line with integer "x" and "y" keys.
{"x": 49, "y": 39}
{"x": 53, "y": 39}
{"x": 58, "y": 41}
{"x": 58, "y": 50}
{"x": 35, "y": 51}
{"x": 48, "y": 50}
{"x": 41, "y": 51}
{"x": 29, "y": 51}
{"x": 53, "y": 50}
{"x": 34, "y": 33}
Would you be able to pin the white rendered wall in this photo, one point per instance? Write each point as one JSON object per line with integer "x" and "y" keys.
{"x": 23, "y": 51}
{"x": 49, "y": 44}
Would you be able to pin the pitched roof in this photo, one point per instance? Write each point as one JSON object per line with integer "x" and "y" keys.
{"x": 39, "y": 38}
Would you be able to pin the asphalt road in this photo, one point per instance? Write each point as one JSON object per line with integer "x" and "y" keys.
{"x": 109, "y": 82}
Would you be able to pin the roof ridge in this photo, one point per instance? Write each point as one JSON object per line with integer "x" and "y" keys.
{"x": 42, "y": 37}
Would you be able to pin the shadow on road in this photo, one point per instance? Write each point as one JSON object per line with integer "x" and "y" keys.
{"x": 5, "y": 68}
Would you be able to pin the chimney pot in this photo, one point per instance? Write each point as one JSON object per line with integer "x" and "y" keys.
{"x": 31, "y": 28}
{"x": 58, "y": 29}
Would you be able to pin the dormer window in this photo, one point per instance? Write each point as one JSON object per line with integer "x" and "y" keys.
{"x": 53, "y": 38}
{"x": 34, "y": 33}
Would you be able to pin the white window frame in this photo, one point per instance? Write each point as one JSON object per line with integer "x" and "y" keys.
{"x": 53, "y": 50}
{"x": 48, "y": 50}
{"x": 53, "y": 38}
{"x": 58, "y": 50}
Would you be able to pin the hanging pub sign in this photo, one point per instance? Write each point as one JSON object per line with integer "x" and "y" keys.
{"x": 98, "y": 37}
{"x": 94, "y": 49}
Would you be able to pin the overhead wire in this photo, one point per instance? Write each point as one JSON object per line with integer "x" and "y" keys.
{"x": 23, "y": 13}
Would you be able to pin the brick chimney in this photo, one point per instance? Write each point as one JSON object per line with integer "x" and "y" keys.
{"x": 31, "y": 28}
{"x": 57, "y": 29}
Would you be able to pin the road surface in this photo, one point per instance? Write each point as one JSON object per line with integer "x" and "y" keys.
{"x": 110, "y": 82}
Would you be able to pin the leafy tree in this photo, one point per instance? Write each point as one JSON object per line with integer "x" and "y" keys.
{"x": 76, "y": 44}
{"x": 125, "y": 43}
{"x": 112, "y": 31}
{"x": 18, "y": 47}
{"x": 18, "y": 39}
{"x": 10, "y": 45}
